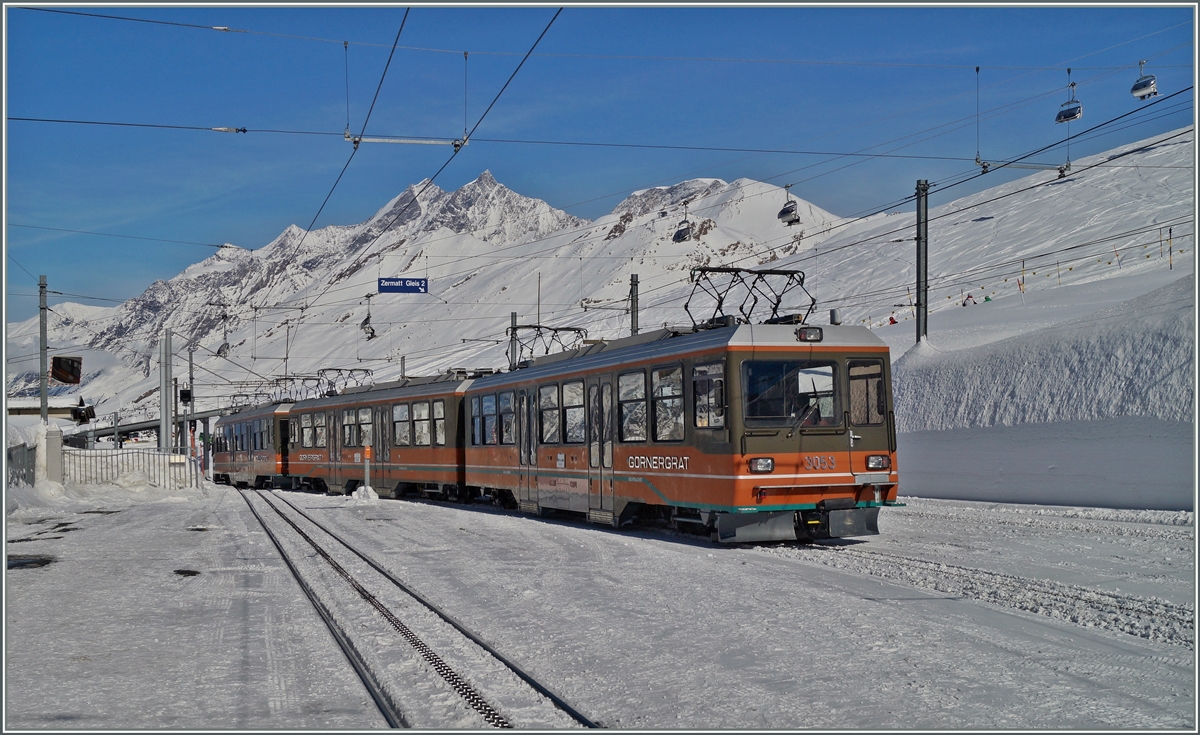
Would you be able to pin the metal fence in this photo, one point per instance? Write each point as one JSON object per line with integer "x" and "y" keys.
{"x": 21, "y": 460}
{"x": 150, "y": 466}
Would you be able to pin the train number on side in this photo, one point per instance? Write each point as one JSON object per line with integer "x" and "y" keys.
{"x": 819, "y": 462}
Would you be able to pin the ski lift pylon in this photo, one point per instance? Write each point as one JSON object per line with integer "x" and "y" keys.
{"x": 1146, "y": 86}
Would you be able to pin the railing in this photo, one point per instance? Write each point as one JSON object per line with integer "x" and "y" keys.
{"x": 21, "y": 460}
{"x": 150, "y": 466}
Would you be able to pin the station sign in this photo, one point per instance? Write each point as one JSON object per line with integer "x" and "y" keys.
{"x": 403, "y": 285}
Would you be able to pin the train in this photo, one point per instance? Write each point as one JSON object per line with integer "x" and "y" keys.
{"x": 745, "y": 432}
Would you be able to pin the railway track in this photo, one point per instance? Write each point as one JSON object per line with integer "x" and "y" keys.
{"x": 1149, "y": 618}
{"x": 445, "y": 676}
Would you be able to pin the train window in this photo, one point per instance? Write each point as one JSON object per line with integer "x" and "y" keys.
{"x": 868, "y": 402}
{"x": 607, "y": 403}
{"x": 487, "y": 405}
{"x": 507, "y": 407}
{"x": 548, "y": 408}
{"x": 791, "y": 392}
{"x": 574, "y": 413}
{"x": 420, "y": 412}
{"x": 349, "y": 428}
{"x": 306, "y": 432}
{"x": 667, "y": 394}
{"x": 631, "y": 396}
{"x": 365, "y": 433}
{"x": 320, "y": 438}
{"x": 476, "y": 422}
{"x": 708, "y": 392}
{"x": 439, "y": 422}
{"x": 256, "y": 434}
{"x": 594, "y": 426}
{"x": 401, "y": 429}
{"x": 293, "y": 431}
{"x": 268, "y": 433}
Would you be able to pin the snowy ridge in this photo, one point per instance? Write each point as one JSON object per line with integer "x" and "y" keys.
{"x": 1133, "y": 359}
{"x": 488, "y": 251}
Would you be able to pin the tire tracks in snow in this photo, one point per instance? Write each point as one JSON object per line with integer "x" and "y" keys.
{"x": 1149, "y": 618}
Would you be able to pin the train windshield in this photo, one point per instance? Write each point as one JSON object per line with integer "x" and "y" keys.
{"x": 785, "y": 392}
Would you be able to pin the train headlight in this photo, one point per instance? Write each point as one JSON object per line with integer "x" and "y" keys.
{"x": 762, "y": 465}
{"x": 879, "y": 462}
{"x": 809, "y": 334}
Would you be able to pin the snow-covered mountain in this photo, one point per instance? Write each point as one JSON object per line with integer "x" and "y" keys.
{"x": 294, "y": 306}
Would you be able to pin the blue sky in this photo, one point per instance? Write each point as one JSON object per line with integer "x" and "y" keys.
{"x": 831, "y": 80}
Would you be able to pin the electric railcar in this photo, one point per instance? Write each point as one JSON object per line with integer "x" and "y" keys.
{"x": 750, "y": 432}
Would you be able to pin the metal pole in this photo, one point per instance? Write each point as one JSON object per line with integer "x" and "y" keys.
{"x": 512, "y": 344}
{"x": 922, "y": 259}
{"x": 633, "y": 304}
{"x": 178, "y": 443}
{"x": 44, "y": 381}
{"x": 191, "y": 407}
{"x": 164, "y": 386}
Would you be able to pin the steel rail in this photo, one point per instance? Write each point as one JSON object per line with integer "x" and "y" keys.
{"x": 536, "y": 685}
{"x": 460, "y": 685}
{"x": 387, "y": 708}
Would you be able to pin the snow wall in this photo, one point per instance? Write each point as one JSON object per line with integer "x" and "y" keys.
{"x": 1133, "y": 359}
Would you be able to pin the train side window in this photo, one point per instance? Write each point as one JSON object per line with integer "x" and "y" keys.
{"x": 631, "y": 397}
{"x": 401, "y": 429}
{"x": 349, "y": 428}
{"x": 421, "y": 435}
{"x": 365, "y": 433}
{"x": 320, "y": 438}
{"x": 708, "y": 393}
{"x": 293, "y": 431}
{"x": 549, "y": 415}
{"x": 574, "y": 413}
{"x": 439, "y": 422}
{"x": 476, "y": 422}
{"x": 507, "y": 407}
{"x": 667, "y": 394}
{"x": 268, "y": 433}
{"x": 868, "y": 401}
{"x": 306, "y": 432}
{"x": 487, "y": 405}
{"x": 594, "y": 426}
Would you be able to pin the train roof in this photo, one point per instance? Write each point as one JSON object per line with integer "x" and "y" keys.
{"x": 665, "y": 344}
{"x": 414, "y": 387}
{"x": 250, "y": 413}
{"x": 657, "y": 345}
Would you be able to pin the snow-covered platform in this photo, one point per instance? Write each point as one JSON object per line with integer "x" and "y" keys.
{"x": 959, "y": 615}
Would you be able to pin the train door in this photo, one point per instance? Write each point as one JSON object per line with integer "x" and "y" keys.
{"x": 284, "y": 437}
{"x": 871, "y": 423}
{"x": 527, "y": 449}
{"x": 601, "y": 432}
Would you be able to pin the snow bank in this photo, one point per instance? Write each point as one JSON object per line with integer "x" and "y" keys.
{"x": 1133, "y": 359}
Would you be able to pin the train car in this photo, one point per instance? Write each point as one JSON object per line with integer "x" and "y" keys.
{"x": 409, "y": 431}
{"x": 748, "y": 432}
{"x": 251, "y": 446}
